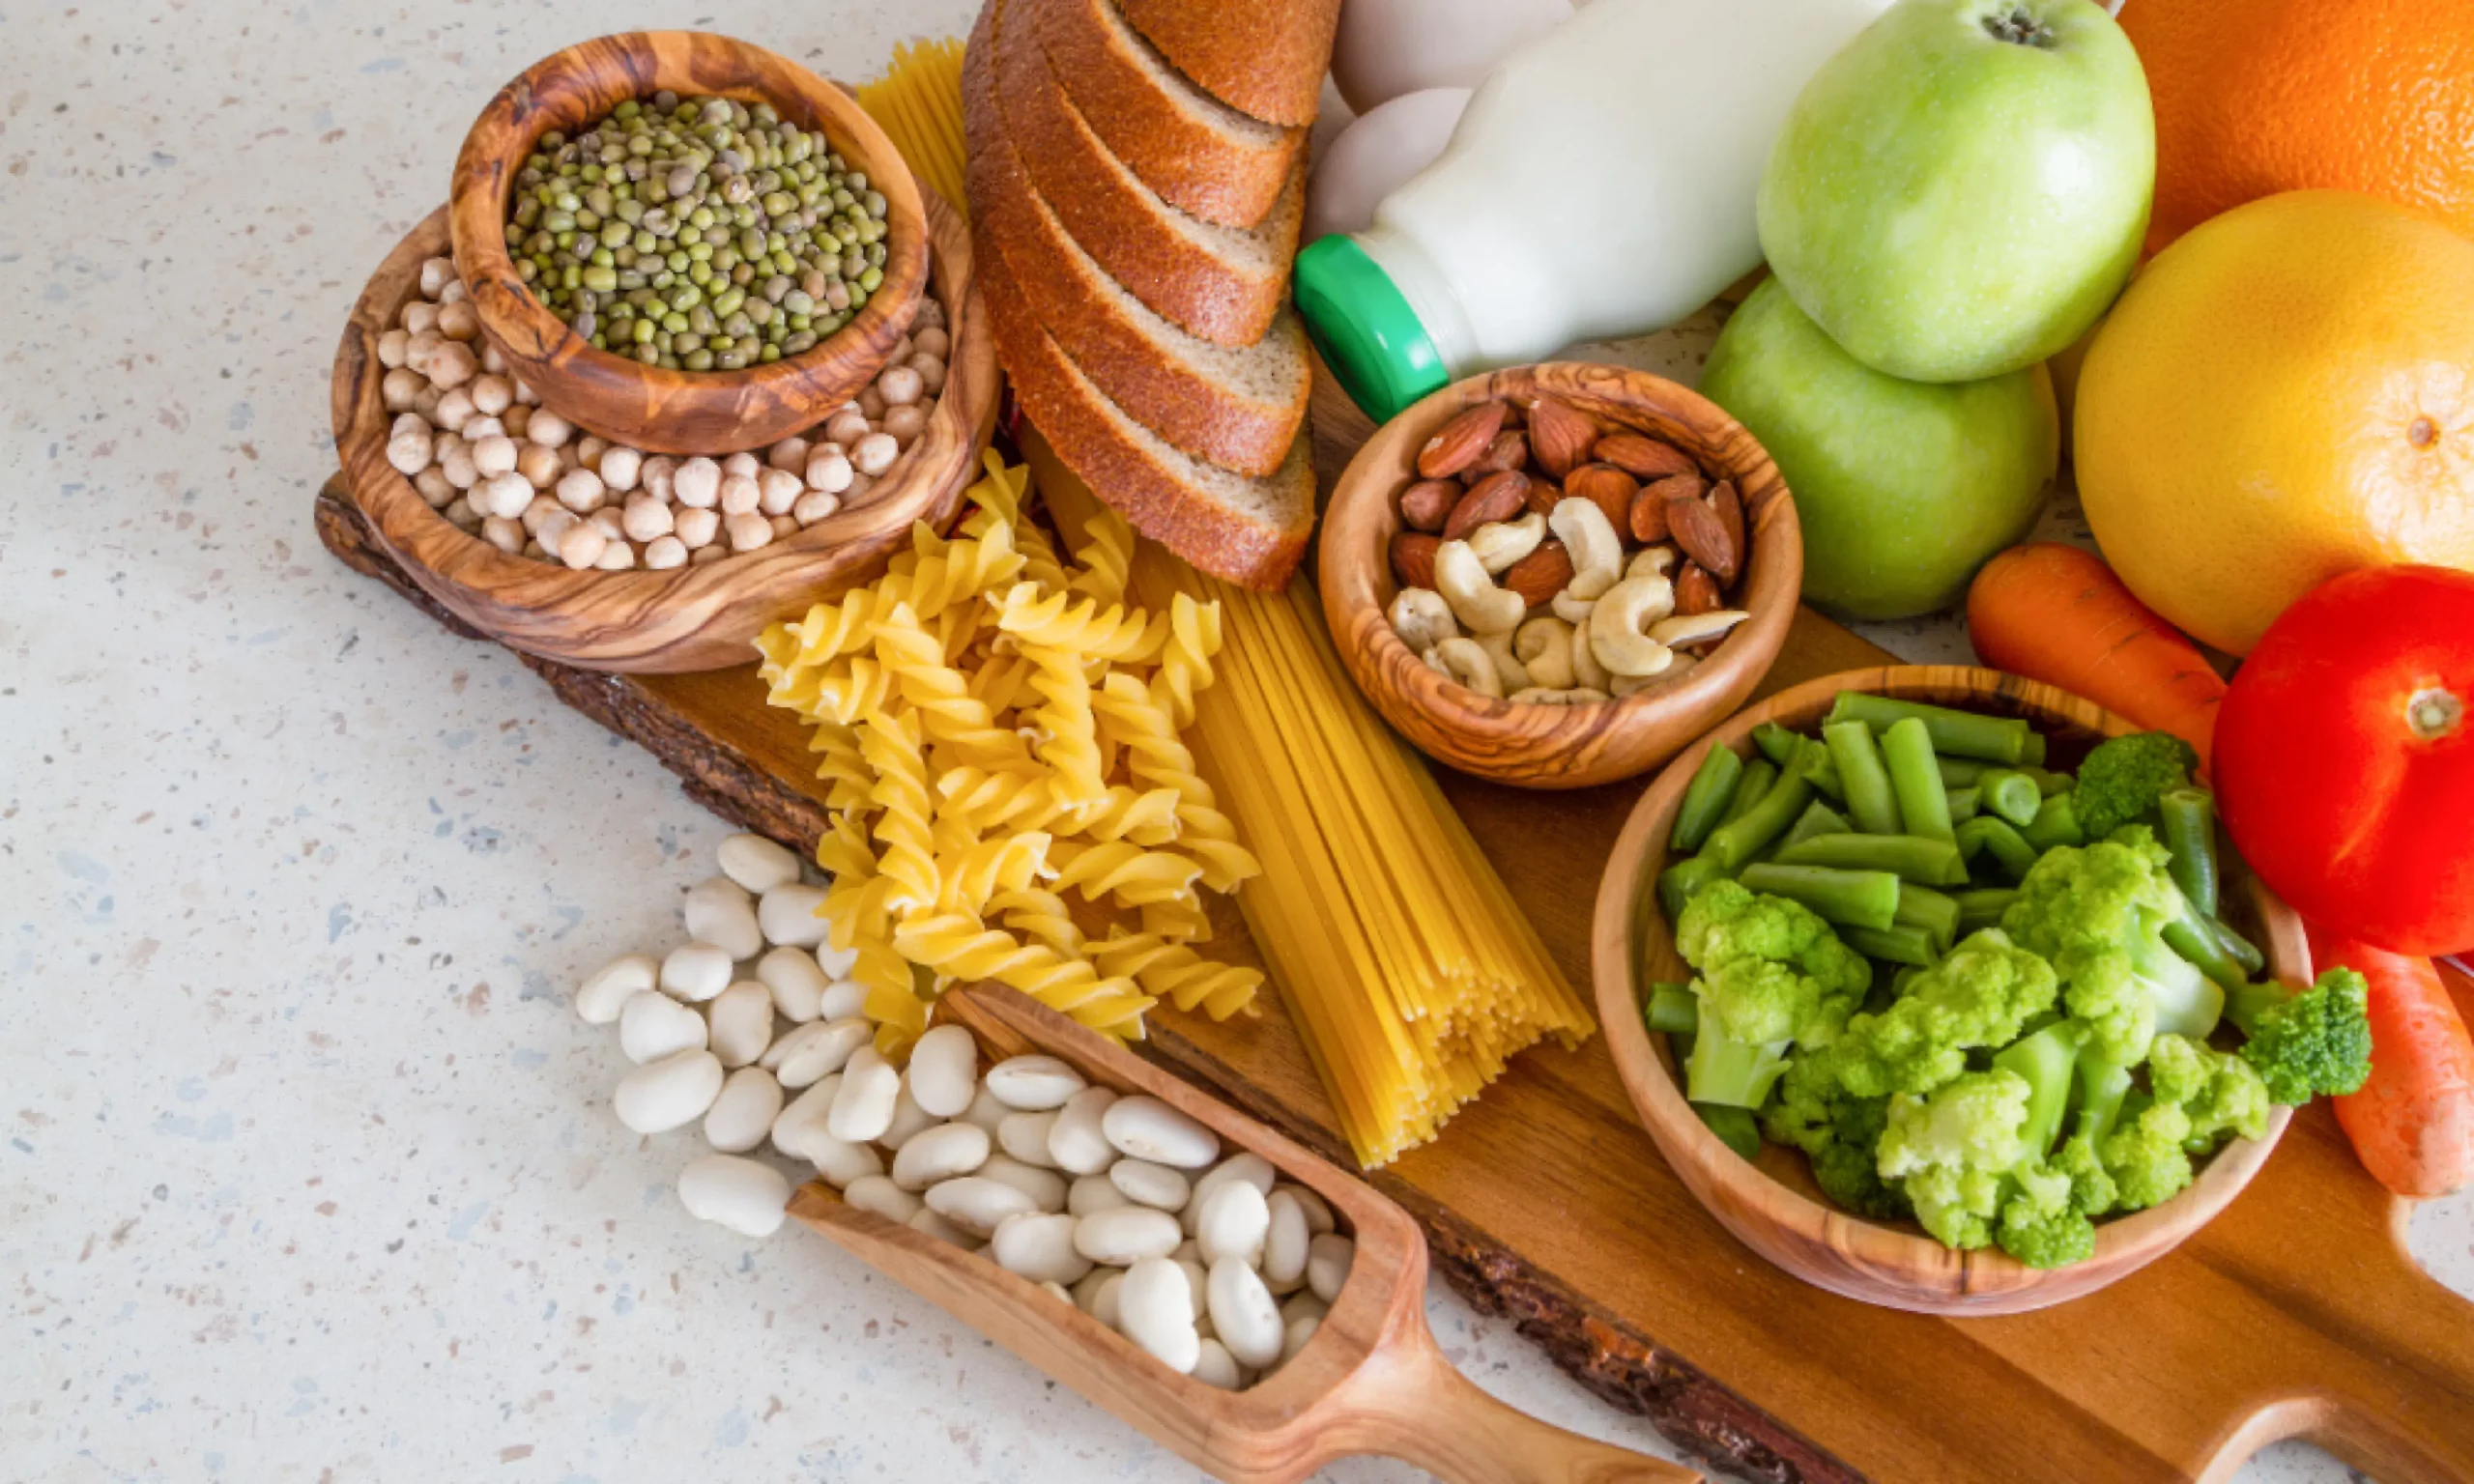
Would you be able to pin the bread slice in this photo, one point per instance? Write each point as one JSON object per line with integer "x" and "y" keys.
{"x": 1240, "y": 408}
{"x": 1201, "y": 155}
{"x": 1217, "y": 282}
{"x": 1262, "y": 57}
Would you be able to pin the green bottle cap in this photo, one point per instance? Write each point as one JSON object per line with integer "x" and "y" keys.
{"x": 1366, "y": 330}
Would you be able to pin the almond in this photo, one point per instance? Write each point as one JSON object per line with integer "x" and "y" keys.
{"x": 1608, "y": 488}
{"x": 1496, "y": 498}
{"x": 1543, "y": 496}
{"x": 1463, "y": 442}
{"x": 1696, "y": 591}
{"x": 1509, "y": 451}
{"x": 1642, "y": 457}
{"x": 1560, "y": 436}
{"x": 1697, "y": 529}
{"x": 1648, "y": 524}
{"x": 1540, "y": 575}
{"x": 1424, "y": 504}
{"x": 1413, "y": 558}
{"x": 1728, "y": 506}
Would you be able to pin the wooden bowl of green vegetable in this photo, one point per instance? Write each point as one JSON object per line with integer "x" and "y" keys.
{"x": 1877, "y": 835}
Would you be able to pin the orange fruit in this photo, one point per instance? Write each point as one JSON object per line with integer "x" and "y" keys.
{"x": 2256, "y": 97}
{"x": 2284, "y": 394}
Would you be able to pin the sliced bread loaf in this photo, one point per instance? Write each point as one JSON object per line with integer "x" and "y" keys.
{"x": 1240, "y": 408}
{"x": 1263, "y": 57}
{"x": 1222, "y": 283}
{"x": 1201, "y": 155}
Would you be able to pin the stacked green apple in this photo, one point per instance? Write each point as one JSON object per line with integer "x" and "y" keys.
{"x": 1956, "y": 196}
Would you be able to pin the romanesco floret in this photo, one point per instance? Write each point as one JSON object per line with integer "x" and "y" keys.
{"x": 1981, "y": 994}
{"x": 2098, "y": 913}
{"x": 1771, "y": 974}
{"x": 2316, "y": 1042}
{"x": 2041, "y": 1223}
{"x": 2122, "y": 779}
{"x": 2218, "y": 1092}
{"x": 1954, "y": 1150}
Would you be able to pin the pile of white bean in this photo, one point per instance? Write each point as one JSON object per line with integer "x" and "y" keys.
{"x": 483, "y": 451}
{"x": 1118, "y": 1205}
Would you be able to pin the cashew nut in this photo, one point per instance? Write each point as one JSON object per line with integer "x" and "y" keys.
{"x": 1573, "y": 609}
{"x": 1651, "y": 561}
{"x": 1618, "y": 626}
{"x": 1693, "y": 628}
{"x": 1482, "y": 607}
{"x": 1461, "y": 660}
{"x": 1501, "y": 543}
{"x": 1595, "y": 550}
{"x": 1569, "y": 695}
{"x": 1586, "y": 670}
{"x": 1509, "y": 671}
{"x": 1422, "y": 618}
{"x": 1545, "y": 647}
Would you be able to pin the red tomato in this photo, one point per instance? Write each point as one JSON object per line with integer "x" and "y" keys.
{"x": 2345, "y": 758}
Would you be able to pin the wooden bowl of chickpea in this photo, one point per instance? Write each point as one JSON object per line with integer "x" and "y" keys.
{"x": 603, "y": 556}
{"x": 1494, "y": 659}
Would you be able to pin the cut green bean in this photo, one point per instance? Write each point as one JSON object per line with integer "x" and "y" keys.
{"x": 1758, "y": 775}
{"x": 2005, "y": 740}
{"x": 1961, "y": 772}
{"x": 2011, "y": 794}
{"x": 1733, "y": 1126}
{"x": 2057, "y": 824}
{"x": 1776, "y": 742}
{"x": 1964, "y": 804}
{"x": 1983, "y": 908}
{"x": 2189, "y": 818}
{"x": 1936, "y": 912}
{"x": 1923, "y": 809}
{"x": 2009, "y": 848}
{"x": 1817, "y": 819}
{"x": 1814, "y": 766}
{"x": 1741, "y": 837}
{"x": 1867, "y": 783}
{"x": 1707, "y": 799}
{"x": 1679, "y": 881}
{"x": 2034, "y": 753}
{"x": 2191, "y": 937}
{"x": 1909, "y": 857}
{"x": 2049, "y": 783}
{"x": 2243, "y": 951}
{"x": 1850, "y": 899}
{"x": 1900, "y": 944}
{"x": 1673, "y": 1010}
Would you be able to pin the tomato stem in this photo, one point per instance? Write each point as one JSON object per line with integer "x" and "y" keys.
{"x": 2432, "y": 713}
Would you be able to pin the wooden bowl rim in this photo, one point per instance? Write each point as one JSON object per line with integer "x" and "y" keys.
{"x": 1356, "y": 576}
{"x": 477, "y": 217}
{"x": 397, "y": 513}
{"x": 1940, "y": 1280}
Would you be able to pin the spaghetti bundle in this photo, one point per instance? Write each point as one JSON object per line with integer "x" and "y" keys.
{"x": 918, "y": 102}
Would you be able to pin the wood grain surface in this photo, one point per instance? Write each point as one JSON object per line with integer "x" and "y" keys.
{"x": 691, "y": 618}
{"x": 1554, "y": 746}
{"x": 623, "y": 400}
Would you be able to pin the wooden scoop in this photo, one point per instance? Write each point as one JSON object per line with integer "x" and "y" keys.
{"x": 1370, "y": 1381}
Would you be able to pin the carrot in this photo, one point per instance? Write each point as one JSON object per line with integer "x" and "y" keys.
{"x": 2413, "y": 1123}
{"x": 2058, "y": 614}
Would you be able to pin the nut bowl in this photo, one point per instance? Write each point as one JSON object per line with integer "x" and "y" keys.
{"x": 1531, "y": 744}
{"x": 623, "y": 400}
{"x": 1773, "y": 1205}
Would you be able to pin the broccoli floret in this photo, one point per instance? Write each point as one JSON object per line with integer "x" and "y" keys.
{"x": 1838, "y": 1132}
{"x": 2091, "y": 1189}
{"x": 1954, "y": 1152}
{"x": 2144, "y": 1154}
{"x": 2313, "y": 1044}
{"x": 2098, "y": 913}
{"x": 1981, "y": 994}
{"x": 2218, "y": 1092}
{"x": 1773, "y": 974}
{"x": 1732, "y": 1074}
{"x": 2041, "y": 1224}
{"x": 2122, "y": 779}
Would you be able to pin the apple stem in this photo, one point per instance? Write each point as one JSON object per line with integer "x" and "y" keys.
{"x": 2019, "y": 28}
{"x": 2433, "y": 713}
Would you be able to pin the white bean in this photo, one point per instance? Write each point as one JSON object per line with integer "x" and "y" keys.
{"x": 1215, "y": 1366}
{"x": 978, "y": 1204}
{"x": 1197, "y": 1282}
{"x": 741, "y": 1017}
{"x": 1148, "y": 1128}
{"x": 1233, "y": 1224}
{"x": 1297, "y": 1306}
{"x": 1099, "y": 1286}
{"x": 1246, "y": 1166}
{"x": 787, "y": 915}
{"x": 1284, "y": 1240}
{"x": 718, "y": 912}
{"x": 1044, "y": 1188}
{"x": 745, "y": 1195}
{"x": 743, "y": 1113}
{"x": 944, "y": 1068}
{"x": 801, "y": 1133}
{"x": 817, "y": 1049}
{"x": 1151, "y": 1185}
{"x": 653, "y": 1025}
{"x": 669, "y": 1094}
{"x": 1040, "y": 1249}
{"x": 1033, "y": 1084}
{"x": 864, "y": 1108}
{"x": 696, "y": 972}
{"x": 937, "y": 1226}
{"x": 842, "y": 997}
{"x": 990, "y": 1114}
{"x": 607, "y": 990}
{"x": 1318, "y": 1214}
{"x": 1294, "y": 1339}
{"x": 1077, "y": 1141}
{"x": 1156, "y": 1310}
{"x": 1125, "y": 1235}
{"x": 835, "y": 962}
{"x": 756, "y": 863}
{"x": 874, "y": 1192}
{"x": 1025, "y": 1137}
{"x": 909, "y": 1120}
{"x": 1093, "y": 1193}
{"x": 1243, "y": 1312}
{"x": 1328, "y": 1259}
{"x": 938, "y": 1153}
{"x": 797, "y": 983}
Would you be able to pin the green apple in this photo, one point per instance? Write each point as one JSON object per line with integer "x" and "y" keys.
{"x": 1903, "y": 488}
{"x": 1963, "y": 189}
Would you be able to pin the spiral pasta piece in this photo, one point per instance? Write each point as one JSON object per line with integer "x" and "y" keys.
{"x": 1144, "y": 818}
{"x": 971, "y": 877}
{"x": 1106, "y": 558}
{"x": 891, "y": 745}
{"x": 1124, "y": 872}
{"x": 1185, "y": 659}
{"x": 1071, "y": 745}
{"x": 1177, "y": 974}
{"x": 1116, "y": 633}
{"x": 840, "y": 764}
{"x": 940, "y": 697}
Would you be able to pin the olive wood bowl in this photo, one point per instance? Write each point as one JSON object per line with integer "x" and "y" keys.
{"x": 1533, "y": 746}
{"x": 623, "y": 400}
{"x": 1773, "y": 1205}
{"x": 688, "y": 618}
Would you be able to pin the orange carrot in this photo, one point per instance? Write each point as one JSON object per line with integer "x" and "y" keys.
{"x": 2413, "y": 1123}
{"x": 2058, "y": 614}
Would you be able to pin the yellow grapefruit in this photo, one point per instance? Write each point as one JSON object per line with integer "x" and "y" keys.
{"x": 2284, "y": 394}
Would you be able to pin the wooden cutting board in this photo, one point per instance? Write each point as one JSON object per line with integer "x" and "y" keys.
{"x": 2297, "y": 1313}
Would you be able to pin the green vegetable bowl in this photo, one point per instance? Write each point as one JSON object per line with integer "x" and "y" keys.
{"x": 1767, "y": 1194}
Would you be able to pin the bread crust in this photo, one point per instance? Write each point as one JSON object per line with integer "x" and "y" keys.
{"x": 1262, "y": 57}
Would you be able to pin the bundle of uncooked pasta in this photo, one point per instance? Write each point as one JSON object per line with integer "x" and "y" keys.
{"x": 999, "y": 729}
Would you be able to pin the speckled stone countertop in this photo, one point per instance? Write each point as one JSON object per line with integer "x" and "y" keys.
{"x": 309, "y": 1173}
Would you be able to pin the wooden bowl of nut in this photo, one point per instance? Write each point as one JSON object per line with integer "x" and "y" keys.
{"x": 686, "y": 244}
{"x": 607, "y": 557}
{"x": 1773, "y": 1202}
{"x": 1556, "y": 575}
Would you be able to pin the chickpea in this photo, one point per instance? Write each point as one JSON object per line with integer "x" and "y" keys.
{"x": 581, "y": 490}
{"x": 436, "y": 274}
{"x": 706, "y": 555}
{"x": 502, "y": 497}
{"x": 453, "y": 294}
{"x": 475, "y": 429}
{"x": 696, "y": 527}
{"x": 460, "y": 511}
{"x": 741, "y": 494}
{"x": 616, "y": 556}
{"x": 554, "y": 525}
{"x": 457, "y": 321}
{"x": 663, "y": 553}
{"x": 492, "y": 394}
{"x": 409, "y": 451}
{"x": 397, "y": 391}
{"x": 582, "y": 545}
{"x": 621, "y": 469}
{"x": 785, "y": 525}
{"x": 932, "y": 342}
{"x": 455, "y": 410}
{"x": 777, "y": 492}
{"x": 549, "y": 429}
{"x": 814, "y": 505}
{"x": 493, "y": 359}
{"x": 391, "y": 345}
{"x": 526, "y": 396}
{"x": 875, "y": 453}
{"x": 646, "y": 518}
{"x": 606, "y": 521}
{"x": 932, "y": 374}
{"x": 516, "y": 421}
{"x": 828, "y": 470}
{"x": 419, "y": 318}
{"x": 697, "y": 484}
{"x": 750, "y": 532}
{"x": 847, "y": 427}
{"x": 537, "y": 514}
{"x": 657, "y": 475}
{"x": 899, "y": 386}
{"x": 421, "y": 348}
{"x": 453, "y": 364}
{"x": 791, "y": 455}
{"x": 460, "y": 469}
{"x": 872, "y": 403}
{"x": 426, "y": 401}
{"x": 495, "y": 455}
{"x": 435, "y": 488}
{"x": 503, "y": 533}
{"x": 590, "y": 449}
{"x": 538, "y": 466}
{"x": 740, "y": 466}
{"x": 905, "y": 424}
